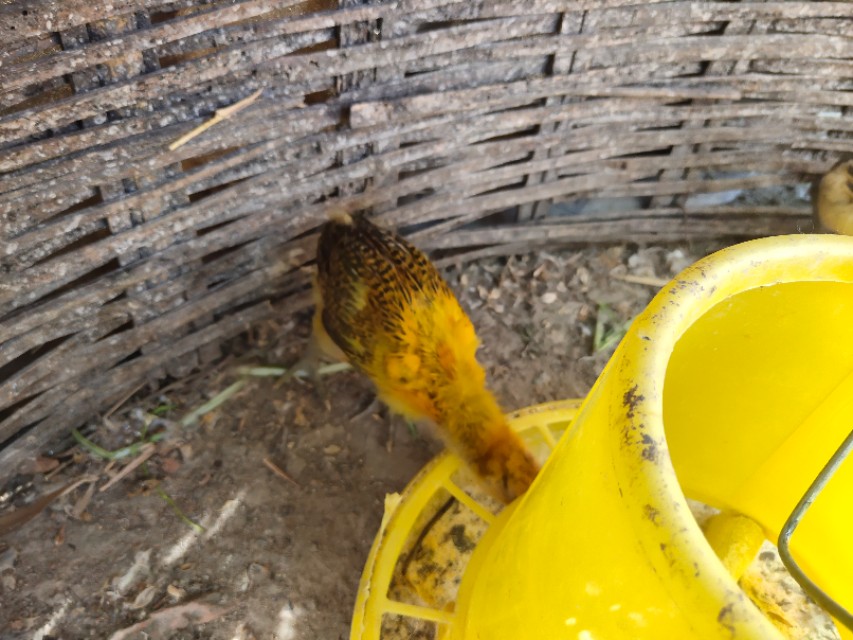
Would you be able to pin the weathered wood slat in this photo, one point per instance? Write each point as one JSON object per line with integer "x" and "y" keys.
{"x": 53, "y": 411}
{"x": 640, "y": 113}
{"x": 35, "y": 71}
{"x": 267, "y": 56}
{"x": 35, "y": 17}
{"x": 642, "y": 141}
{"x": 97, "y": 352}
{"x": 299, "y": 68}
{"x": 670, "y": 228}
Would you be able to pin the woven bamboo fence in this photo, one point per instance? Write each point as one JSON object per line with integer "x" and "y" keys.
{"x": 125, "y": 258}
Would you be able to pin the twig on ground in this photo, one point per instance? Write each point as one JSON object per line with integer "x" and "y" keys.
{"x": 145, "y": 452}
{"x": 82, "y": 504}
{"x": 172, "y": 619}
{"x": 124, "y": 399}
{"x": 195, "y": 526}
{"x": 649, "y": 281}
{"x": 19, "y": 517}
{"x": 123, "y": 452}
{"x": 279, "y": 472}
{"x": 274, "y": 372}
{"x": 213, "y": 403}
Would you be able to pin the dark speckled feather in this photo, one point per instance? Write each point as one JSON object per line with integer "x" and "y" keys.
{"x": 366, "y": 275}
{"x": 383, "y": 306}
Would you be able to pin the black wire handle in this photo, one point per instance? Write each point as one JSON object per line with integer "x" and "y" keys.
{"x": 817, "y": 594}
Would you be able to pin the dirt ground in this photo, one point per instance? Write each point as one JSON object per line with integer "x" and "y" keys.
{"x": 280, "y": 557}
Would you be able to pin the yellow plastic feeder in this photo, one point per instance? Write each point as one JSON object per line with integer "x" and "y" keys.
{"x": 734, "y": 387}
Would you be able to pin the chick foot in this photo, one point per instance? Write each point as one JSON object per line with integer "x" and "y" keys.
{"x": 308, "y": 366}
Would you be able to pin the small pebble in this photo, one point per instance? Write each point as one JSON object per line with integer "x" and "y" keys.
{"x": 176, "y": 593}
{"x": 9, "y": 582}
{"x": 8, "y": 558}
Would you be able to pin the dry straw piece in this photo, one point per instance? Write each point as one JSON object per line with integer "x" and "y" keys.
{"x": 124, "y": 260}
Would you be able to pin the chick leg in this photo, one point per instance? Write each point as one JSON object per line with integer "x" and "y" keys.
{"x": 380, "y": 410}
{"x": 308, "y": 364}
{"x": 392, "y": 419}
{"x": 374, "y": 407}
{"x": 320, "y": 345}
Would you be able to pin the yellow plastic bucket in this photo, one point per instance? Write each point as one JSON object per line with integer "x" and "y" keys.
{"x": 734, "y": 387}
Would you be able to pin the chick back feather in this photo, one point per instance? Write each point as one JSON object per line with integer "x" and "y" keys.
{"x": 385, "y": 307}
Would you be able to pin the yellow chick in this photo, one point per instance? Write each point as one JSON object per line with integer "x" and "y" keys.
{"x": 383, "y": 307}
{"x": 833, "y": 200}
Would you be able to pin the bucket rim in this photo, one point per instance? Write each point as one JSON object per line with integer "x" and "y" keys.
{"x": 646, "y": 468}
